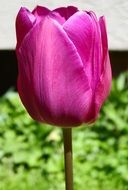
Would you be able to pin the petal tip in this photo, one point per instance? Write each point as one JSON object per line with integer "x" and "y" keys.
{"x": 40, "y": 10}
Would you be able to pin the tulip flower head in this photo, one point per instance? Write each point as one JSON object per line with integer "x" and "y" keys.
{"x": 63, "y": 62}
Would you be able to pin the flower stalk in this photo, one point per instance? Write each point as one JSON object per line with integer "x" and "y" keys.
{"x": 68, "y": 158}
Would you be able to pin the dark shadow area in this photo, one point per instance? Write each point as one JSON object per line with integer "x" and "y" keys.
{"x": 9, "y": 71}
{"x": 119, "y": 62}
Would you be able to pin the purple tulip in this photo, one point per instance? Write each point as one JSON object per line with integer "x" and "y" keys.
{"x": 64, "y": 68}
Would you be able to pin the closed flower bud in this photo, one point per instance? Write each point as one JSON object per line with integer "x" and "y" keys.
{"x": 63, "y": 62}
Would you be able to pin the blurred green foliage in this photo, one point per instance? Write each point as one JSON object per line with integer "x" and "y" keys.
{"x": 31, "y": 154}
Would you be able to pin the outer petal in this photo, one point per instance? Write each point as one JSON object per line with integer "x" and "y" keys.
{"x": 104, "y": 85}
{"x": 89, "y": 37}
{"x": 26, "y": 92}
{"x": 84, "y": 32}
{"x": 24, "y": 22}
{"x": 51, "y": 64}
{"x": 104, "y": 40}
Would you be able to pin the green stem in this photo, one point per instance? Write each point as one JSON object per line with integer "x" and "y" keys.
{"x": 67, "y": 136}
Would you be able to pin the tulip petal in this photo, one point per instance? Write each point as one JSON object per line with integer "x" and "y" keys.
{"x": 66, "y": 12}
{"x": 102, "y": 91}
{"x": 84, "y": 32}
{"x": 24, "y": 22}
{"x": 104, "y": 85}
{"x": 61, "y": 14}
{"x": 89, "y": 37}
{"x": 57, "y": 83}
{"x": 104, "y": 39}
{"x": 106, "y": 76}
{"x": 24, "y": 89}
{"x": 40, "y": 12}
